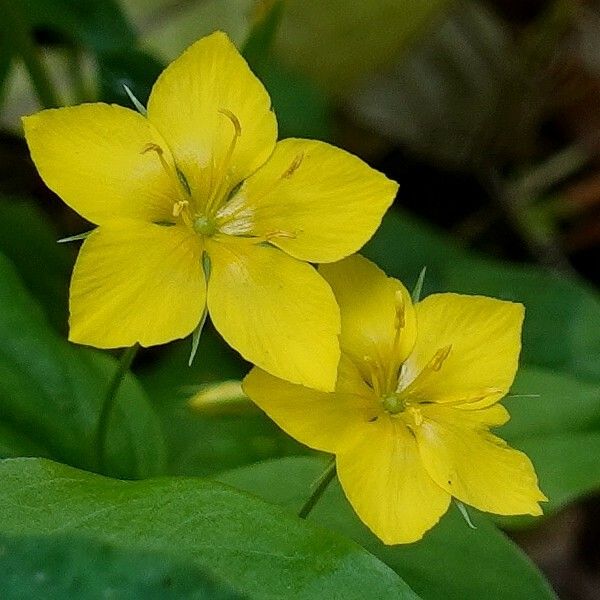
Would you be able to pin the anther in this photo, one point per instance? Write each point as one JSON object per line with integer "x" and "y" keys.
{"x": 374, "y": 371}
{"x": 294, "y": 166}
{"x": 234, "y": 120}
{"x": 171, "y": 171}
{"x": 219, "y": 177}
{"x": 280, "y": 234}
{"x": 439, "y": 357}
{"x": 400, "y": 308}
{"x": 179, "y": 207}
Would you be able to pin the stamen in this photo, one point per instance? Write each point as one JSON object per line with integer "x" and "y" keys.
{"x": 400, "y": 307}
{"x": 375, "y": 372}
{"x": 179, "y": 207}
{"x": 219, "y": 177}
{"x": 280, "y": 234}
{"x": 171, "y": 172}
{"x": 293, "y": 166}
{"x": 399, "y": 324}
{"x": 236, "y": 122}
{"x": 435, "y": 364}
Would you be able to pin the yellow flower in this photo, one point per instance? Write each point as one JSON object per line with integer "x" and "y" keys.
{"x": 417, "y": 392}
{"x": 202, "y": 175}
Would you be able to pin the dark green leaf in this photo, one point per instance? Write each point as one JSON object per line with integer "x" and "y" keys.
{"x": 133, "y": 68}
{"x": 200, "y": 444}
{"x": 99, "y": 25}
{"x": 451, "y": 562}
{"x": 338, "y": 42}
{"x": 302, "y": 109}
{"x": 29, "y": 241}
{"x": 64, "y": 567}
{"x": 560, "y": 403}
{"x": 6, "y": 57}
{"x": 259, "y": 43}
{"x": 567, "y": 466}
{"x": 51, "y": 392}
{"x": 258, "y": 548}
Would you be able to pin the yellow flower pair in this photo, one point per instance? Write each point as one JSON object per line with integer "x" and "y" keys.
{"x": 199, "y": 209}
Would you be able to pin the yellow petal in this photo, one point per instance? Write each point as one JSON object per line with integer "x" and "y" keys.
{"x": 387, "y": 485}
{"x": 372, "y": 306}
{"x": 315, "y": 201}
{"x": 277, "y": 312}
{"x": 480, "y": 339}
{"x": 324, "y": 421}
{"x": 136, "y": 282}
{"x": 93, "y": 157}
{"x": 195, "y": 104}
{"x": 475, "y": 466}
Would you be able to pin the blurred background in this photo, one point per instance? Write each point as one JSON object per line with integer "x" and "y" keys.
{"x": 487, "y": 113}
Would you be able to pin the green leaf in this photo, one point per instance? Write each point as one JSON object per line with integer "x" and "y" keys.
{"x": 99, "y": 25}
{"x": 14, "y": 444}
{"x": 26, "y": 235}
{"x": 301, "y": 108}
{"x": 567, "y": 466}
{"x": 337, "y": 43}
{"x": 259, "y": 43}
{"x": 136, "y": 69}
{"x": 201, "y": 444}
{"x": 561, "y": 403}
{"x": 258, "y": 548}
{"x": 451, "y": 562}
{"x": 562, "y": 318}
{"x": 6, "y": 57}
{"x": 63, "y": 567}
{"x": 51, "y": 392}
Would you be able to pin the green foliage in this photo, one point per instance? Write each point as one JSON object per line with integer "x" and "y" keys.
{"x": 258, "y": 548}
{"x": 313, "y": 34}
{"x": 451, "y": 562}
{"x": 134, "y": 68}
{"x": 61, "y": 567}
{"x": 51, "y": 393}
{"x": 96, "y": 24}
{"x": 25, "y": 236}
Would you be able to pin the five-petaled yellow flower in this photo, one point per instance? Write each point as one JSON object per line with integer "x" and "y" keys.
{"x": 417, "y": 392}
{"x": 203, "y": 175}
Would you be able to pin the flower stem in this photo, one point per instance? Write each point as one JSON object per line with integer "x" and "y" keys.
{"x": 321, "y": 485}
{"x": 18, "y": 33}
{"x": 109, "y": 403}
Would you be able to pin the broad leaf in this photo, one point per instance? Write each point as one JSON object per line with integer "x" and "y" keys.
{"x": 26, "y": 235}
{"x": 259, "y": 549}
{"x": 337, "y": 43}
{"x": 51, "y": 393}
{"x": 202, "y": 444}
{"x": 97, "y": 24}
{"x": 60, "y": 567}
{"x": 451, "y": 562}
{"x": 542, "y": 403}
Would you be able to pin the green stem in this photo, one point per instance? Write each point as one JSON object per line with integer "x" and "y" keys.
{"x": 109, "y": 403}
{"x": 18, "y": 34}
{"x": 321, "y": 485}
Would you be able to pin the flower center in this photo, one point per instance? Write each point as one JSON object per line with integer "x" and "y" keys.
{"x": 201, "y": 217}
{"x": 204, "y": 225}
{"x": 393, "y": 404}
{"x": 396, "y": 396}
